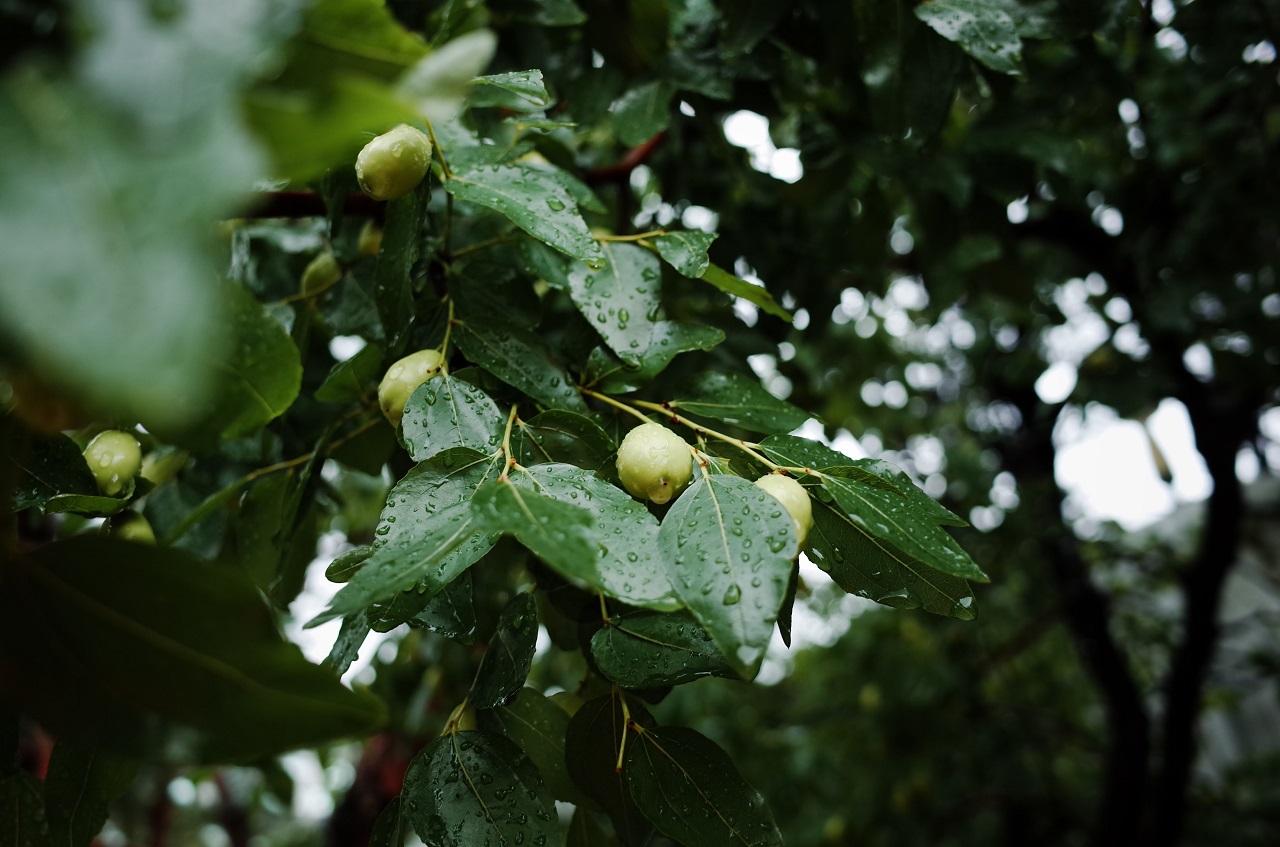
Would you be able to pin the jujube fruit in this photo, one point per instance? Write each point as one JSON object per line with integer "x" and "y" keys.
{"x": 654, "y": 463}
{"x": 114, "y": 457}
{"x": 394, "y": 163}
{"x": 322, "y": 272}
{"x": 794, "y": 498}
{"x": 131, "y": 526}
{"x": 402, "y": 378}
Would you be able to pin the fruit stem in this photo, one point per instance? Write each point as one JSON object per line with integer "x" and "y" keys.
{"x": 448, "y": 331}
{"x": 506, "y": 444}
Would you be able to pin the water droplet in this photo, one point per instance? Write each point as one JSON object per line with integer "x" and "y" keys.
{"x": 732, "y": 594}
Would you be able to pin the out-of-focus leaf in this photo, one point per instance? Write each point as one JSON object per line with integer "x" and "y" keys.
{"x": 22, "y": 810}
{"x": 439, "y": 82}
{"x": 349, "y": 380}
{"x": 522, "y": 91}
{"x": 80, "y": 787}
{"x": 142, "y": 633}
{"x": 473, "y": 788}
{"x": 643, "y": 112}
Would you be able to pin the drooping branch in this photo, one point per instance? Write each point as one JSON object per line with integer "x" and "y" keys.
{"x": 620, "y": 171}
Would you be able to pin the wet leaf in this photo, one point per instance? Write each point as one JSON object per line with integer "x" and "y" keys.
{"x": 452, "y": 612}
{"x": 559, "y": 436}
{"x": 533, "y": 200}
{"x": 556, "y": 531}
{"x": 757, "y": 294}
{"x": 537, "y": 726}
{"x": 49, "y": 466}
{"x": 522, "y": 360}
{"x": 669, "y": 339}
{"x": 728, "y": 547}
{"x": 628, "y": 565}
{"x": 521, "y": 91}
{"x": 686, "y": 251}
{"x": 649, "y": 650}
{"x": 692, "y": 792}
{"x": 507, "y": 660}
{"x": 446, "y": 412}
{"x": 982, "y": 28}
{"x": 477, "y": 789}
{"x": 346, "y": 647}
{"x": 870, "y": 568}
{"x": 388, "y": 829}
{"x": 737, "y": 399}
{"x": 621, "y": 300}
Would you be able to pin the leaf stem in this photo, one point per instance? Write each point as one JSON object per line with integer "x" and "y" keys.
{"x": 626, "y": 725}
{"x": 506, "y": 444}
{"x": 621, "y": 406}
{"x": 747, "y": 447}
{"x": 641, "y": 236}
{"x": 448, "y": 330}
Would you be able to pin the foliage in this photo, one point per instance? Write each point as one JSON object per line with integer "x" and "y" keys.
{"x": 590, "y": 250}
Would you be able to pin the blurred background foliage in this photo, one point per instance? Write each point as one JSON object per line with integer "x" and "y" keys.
{"x": 987, "y": 241}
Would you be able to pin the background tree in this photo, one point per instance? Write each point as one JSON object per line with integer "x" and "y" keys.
{"x": 980, "y": 192}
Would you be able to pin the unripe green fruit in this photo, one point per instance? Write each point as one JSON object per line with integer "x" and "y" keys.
{"x": 654, "y": 463}
{"x": 114, "y": 457}
{"x": 791, "y": 495}
{"x": 131, "y": 526}
{"x": 393, "y": 164}
{"x": 321, "y": 273}
{"x": 370, "y": 241}
{"x": 160, "y": 466}
{"x": 402, "y": 378}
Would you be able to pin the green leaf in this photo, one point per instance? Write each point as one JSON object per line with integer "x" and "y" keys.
{"x": 440, "y": 81}
{"x": 145, "y": 634}
{"x": 533, "y": 200}
{"x": 686, "y": 251}
{"x": 872, "y": 568}
{"x": 48, "y": 466}
{"x": 692, "y": 792}
{"x": 890, "y": 516}
{"x": 558, "y": 436}
{"x": 650, "y": 650}
{"x": 643, "y": 112}
{"x": 477, "y": 789}
{"x": 737, "y": 399}
{"x": 537, "y": 726}
{"x": 757, "y": 294}
{"x": 937, "y": 512}
{"x": 425, "y": 557}
{"x": 22, "y": 810}
{"x": 628, "y": 566}
{"x": 388, "y": 829}
{"x": 982, "y": 28}
{"x": 349, "y": 380}
{"x": 446, "y": 412}
{"x": 521, "y": 91}
{"x": 728, "y": 547}
{"x": 546, "y": 12}
{"x": 507, "y": 660}
{"x": 259, "y": 376}
{"x": 621, "y": 300}
{"x": 585, "y": 832}
{"x": 361, "y": 35}
{"x": 555, "y": 531}
{"x": 452, "y": 612}
{"x": 257, "y": 528}
{"x": 522, "y": 360}
{"x": 309, "y": 124}
{"x": 346, "y": 647}
{"x": 591, "y": 746}
{"x": 80, "y": 787}
{"x": 670, "y": 338}
{"x": 401, "y": 247}
{"x": 90, "y": 506}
